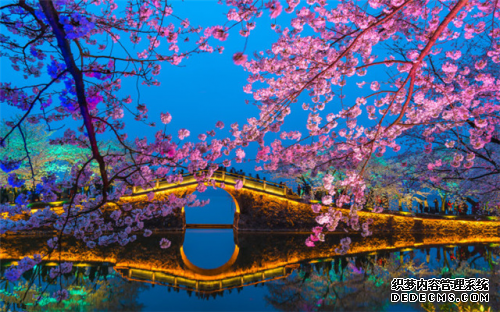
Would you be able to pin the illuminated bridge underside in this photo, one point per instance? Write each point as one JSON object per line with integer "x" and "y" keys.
{"x": 257, "y": 258}
{"x": 266, "y": 206}
{"x": 205, "y": 286}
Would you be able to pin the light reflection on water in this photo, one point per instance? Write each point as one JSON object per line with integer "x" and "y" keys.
{"x": 358, "y": 282}
{"x": 207, "y": 248}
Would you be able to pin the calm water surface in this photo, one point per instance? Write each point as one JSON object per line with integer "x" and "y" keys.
{"x": 222, "y": 270}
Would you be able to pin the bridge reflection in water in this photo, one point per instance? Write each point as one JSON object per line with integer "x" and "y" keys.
{"x": 257, "y": 258}
{"x": 208, "y": 286}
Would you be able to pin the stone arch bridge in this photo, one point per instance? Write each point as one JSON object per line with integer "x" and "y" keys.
{"x": 268, "y": 206}
{"x": 260, "y": 204}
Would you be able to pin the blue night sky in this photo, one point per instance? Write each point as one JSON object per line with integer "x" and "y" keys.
{"x": 206, "y": 88}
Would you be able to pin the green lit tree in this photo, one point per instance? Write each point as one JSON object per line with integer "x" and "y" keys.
{"x": 47, "y": 158}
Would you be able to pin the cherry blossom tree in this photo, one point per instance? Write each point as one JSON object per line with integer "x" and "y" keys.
{"x": 60, "y": 44}
{"x": 476, "y": 181}
{"x": 441, "y": 78}
{"x": 73, "y": 57}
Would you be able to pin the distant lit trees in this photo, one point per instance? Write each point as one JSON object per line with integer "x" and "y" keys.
{"x": 44, "y": 159}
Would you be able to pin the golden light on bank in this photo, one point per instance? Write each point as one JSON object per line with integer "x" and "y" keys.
{"x": 261, "y": 195}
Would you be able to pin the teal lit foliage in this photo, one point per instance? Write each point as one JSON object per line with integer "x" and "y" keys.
{"x": 91, "y": 288}
{"x": 46, "y": 158}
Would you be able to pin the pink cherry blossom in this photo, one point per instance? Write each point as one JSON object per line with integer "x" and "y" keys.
{"x": 183, "y": 133}
{"x": 275, "y": 8}
{"x": 240, "y": 153}
{"x": 316, "y": 208}
{"x": 309, "y": 243}
{"x": 238, "y": 185}
{"x": 165, "y": 243}
{"x": 326, "y": 200}
{"x": 239, "y": 58}
{"x": 220, "y": 33}
{"x": 219, "y": 125}
{"x": 166, "y": 118}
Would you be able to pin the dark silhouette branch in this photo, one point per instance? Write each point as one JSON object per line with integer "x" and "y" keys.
{"x": 64, "y": 45}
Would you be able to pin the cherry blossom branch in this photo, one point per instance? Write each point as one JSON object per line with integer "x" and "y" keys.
{"x": 384, "y": 62}
{"x": 63, "y": 43}
{"x": 29, "y": 157}
{"x": 451, "y": 15}
{"x": 414, "y": 68}
{"x": 18, "y": 124}
{"x": 343, "y": 54}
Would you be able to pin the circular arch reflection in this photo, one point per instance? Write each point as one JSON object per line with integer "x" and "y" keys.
{"x": 210, "y": 272}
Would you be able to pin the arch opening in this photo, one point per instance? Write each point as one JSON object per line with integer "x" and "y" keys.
{"x": 221, "y": 209}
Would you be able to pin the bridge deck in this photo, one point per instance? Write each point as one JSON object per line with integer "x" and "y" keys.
{"x": 222, "y": 177}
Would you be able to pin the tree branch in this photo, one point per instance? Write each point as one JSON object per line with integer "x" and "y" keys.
{"x": 64, "y": 45}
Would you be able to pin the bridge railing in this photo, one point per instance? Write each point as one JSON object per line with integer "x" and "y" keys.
{"x": 228, "y": 178}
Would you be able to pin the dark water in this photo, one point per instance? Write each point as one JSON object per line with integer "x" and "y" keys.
{"x": 269, "y": 272}
{"x": 221, "y": 270}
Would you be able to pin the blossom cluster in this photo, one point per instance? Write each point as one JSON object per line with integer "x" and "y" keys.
{"x": 25, "y": 264}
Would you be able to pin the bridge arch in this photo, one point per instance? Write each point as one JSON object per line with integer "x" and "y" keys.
{"x": 210, "y": 272}
{"x": 237, "y": 209}
{"x": 229, "y": 180}
{"x": 252, "y": 185}
{"x": 218, "y": 186}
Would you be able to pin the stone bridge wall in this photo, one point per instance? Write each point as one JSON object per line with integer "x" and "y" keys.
{"x": 266, "y": 212}
{"x": 260, "y": 211}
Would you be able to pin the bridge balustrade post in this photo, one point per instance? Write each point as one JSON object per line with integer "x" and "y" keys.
{"x": 157, "y": 185}
{"x": 284, "y": 190}
{"x": 223, "y": 176}
{"x": 264, "y": 185}
{"x": 243, "y": 180}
